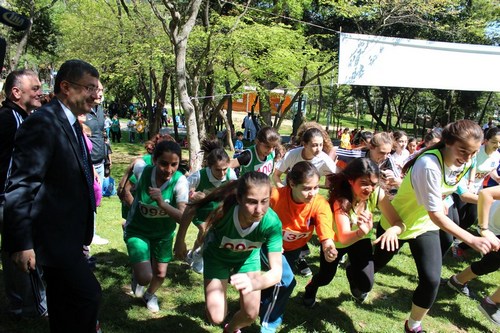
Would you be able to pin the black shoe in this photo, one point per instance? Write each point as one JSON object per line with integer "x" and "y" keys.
{"x": 302, "y": 267}
{"x": 309, "y": 298}
{"x": 358, "y": 295}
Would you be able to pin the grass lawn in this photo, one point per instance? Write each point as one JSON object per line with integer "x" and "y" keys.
{"x": 182, "y": 301}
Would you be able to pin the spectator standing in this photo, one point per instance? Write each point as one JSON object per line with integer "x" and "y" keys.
{"x": 107, "y": 125}
{"x": 140, "y": 127}
{"x": 23, "y": 92}
{"x": 95, "y": 121}
{"x": 249, "y": 126}
{"x": 116, "y": 132}
{"x": 48, "y": 215}
{"x": 131, "y": 129}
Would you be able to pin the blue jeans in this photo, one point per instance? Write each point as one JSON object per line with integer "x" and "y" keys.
{"x": 273, "y": 300}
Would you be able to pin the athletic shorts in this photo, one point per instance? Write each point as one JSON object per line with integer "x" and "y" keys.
{"x": 215, "y": 268}
{"x": 142, "y": 249}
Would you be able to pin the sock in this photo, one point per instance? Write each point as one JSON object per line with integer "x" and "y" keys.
{"x": 454, "y": 277}
{"x": 488, "y": 300}
{"x": 413, "y": 324}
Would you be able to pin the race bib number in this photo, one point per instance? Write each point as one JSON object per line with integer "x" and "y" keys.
{"x": 151, "y": 211}
{"x": 239, "y": 245}
{"x": 266, "y": 167}
{"x": 292, "y": 236}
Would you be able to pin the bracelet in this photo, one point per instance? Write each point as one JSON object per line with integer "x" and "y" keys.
{"x": 483, "y": 228}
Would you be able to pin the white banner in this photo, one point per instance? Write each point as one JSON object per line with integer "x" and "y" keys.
{"x": 397, "y": 62}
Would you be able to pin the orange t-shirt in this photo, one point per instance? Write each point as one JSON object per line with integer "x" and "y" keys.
{"x": 299, "y": 220}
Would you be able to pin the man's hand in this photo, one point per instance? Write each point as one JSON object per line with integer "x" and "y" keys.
{"x": 24, "y": 260}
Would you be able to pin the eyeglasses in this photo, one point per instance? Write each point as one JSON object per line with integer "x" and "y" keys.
{"x": 90, "y": 89}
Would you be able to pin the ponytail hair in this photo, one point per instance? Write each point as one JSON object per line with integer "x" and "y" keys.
{"x": 230, "y": 193}
{"x": 213, "y": 152}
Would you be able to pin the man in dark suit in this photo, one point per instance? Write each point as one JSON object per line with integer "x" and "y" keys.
{"x": 25, "y": 292}
{"x": 49, "y": 200}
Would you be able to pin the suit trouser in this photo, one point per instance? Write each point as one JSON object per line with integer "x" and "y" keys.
{"x": 73, "y": 296}
{"x": 25, "y": 292}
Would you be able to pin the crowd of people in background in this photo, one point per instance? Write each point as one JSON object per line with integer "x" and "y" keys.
{"x": 255, "y": 212}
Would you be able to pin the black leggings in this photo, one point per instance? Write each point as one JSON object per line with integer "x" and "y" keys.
{"x": 359, "y": 271}
{"x": 489, "y": 263}
{"x": 426, "y": 251}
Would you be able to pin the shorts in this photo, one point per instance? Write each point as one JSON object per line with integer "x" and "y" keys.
{"x": 141, "y": 249}
{"x": 215, "y": 268}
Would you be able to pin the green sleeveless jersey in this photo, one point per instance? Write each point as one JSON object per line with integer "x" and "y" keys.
{"x": 256, "y": 164}
{"x": 145, "y": 217}
{"x": 414, "y": 215}
{"x": 206, "y": 187}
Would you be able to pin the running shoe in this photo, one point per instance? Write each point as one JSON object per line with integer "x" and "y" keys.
{"x": 415, "y": 330}
{"x": 137, "y": 289}
{"x": 226, "y": 331}
{"x": 302, "y": 267}
{"x": 358, "y": 295}
{"x": 459, "y": 288}
{"x": 309, "y": 298}
{"x": 492, "y": 312}
{"x": 151, "y": 302}
{"x": 197, "y": 261}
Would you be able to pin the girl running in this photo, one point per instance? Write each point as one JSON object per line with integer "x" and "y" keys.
{"x": 301, "y": 211}
{"x": 400, "y": 154}
{"x": 160, "y": 198}
{"x": 312, "y": 151}
{"x": 236, "y": 232}
{"x": 431, "y": 176}
{"x": 354, "y": 196}
{"x": 201, "y": 183}
{"x": 259, "y": 157}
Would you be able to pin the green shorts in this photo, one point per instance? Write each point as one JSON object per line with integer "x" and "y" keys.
{"x": 141, "y": 249}
{"x": 215, "y": 268}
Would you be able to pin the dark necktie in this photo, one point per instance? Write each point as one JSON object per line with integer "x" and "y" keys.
{"x": 86, "y": 164}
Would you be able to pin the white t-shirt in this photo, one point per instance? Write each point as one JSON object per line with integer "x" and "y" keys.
{"x": 322, "y": 161}
{"x": 494, "y": 222}
{"x": 484, "y": 165}
{"x": 426, "y": 178}
{"x": 400, "y": 159}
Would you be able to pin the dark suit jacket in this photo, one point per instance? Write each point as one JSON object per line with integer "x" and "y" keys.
{"x": 47, "y": 201}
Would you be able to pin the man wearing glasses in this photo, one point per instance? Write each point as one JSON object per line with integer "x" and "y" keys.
{"x": 25, "y": 293}
{"x": 50, "y": 203}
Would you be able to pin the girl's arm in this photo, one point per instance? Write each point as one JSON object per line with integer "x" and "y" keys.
{"x": 486, "y": 198}
{"x": 480, "y": 244}
{"x": 494, "y": 175}
{"x": 180, "y": 248}
{"x": 277, "y": 178}
{"x": 248, "y": 282}
{"x": 175, "y": 213}
{"x": 389, "y": 239}
{"x": 344, "y": 232}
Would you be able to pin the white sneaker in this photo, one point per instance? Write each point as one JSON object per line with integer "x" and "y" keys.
{"x": 197, "y": 261}
{"x": 98, "y": 240}
{"x": 137, "y": 290}
{"x": 151, "y": 302}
